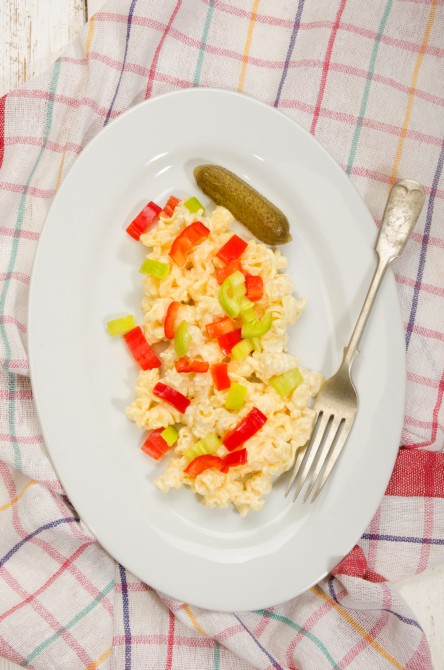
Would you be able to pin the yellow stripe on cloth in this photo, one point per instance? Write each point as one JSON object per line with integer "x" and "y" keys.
{"x": 89, "y": 37}
{"x": 194, "y": 621}
{"x": 95, "y": 664}
{"x": 412, "y": 90}
{"x": 253, "y": 15}
{"x": 60, "y": 171}
{"x": 354, "y": 624}
{"x": 17, "y": 497}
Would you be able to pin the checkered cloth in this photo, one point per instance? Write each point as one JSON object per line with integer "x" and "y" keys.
{"x": 366, "y": 79}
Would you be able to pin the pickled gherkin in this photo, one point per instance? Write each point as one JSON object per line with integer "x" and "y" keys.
{"x": 268, "y": 223}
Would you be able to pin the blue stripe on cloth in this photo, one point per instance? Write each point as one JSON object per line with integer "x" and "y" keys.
{"x": 128, "y": 33}
{"x": 52, "y": 524}
{"x": 126, "y": 618}
{"x": 400, "y": 538}
{"x": 331, "y": 589}
{"x": 273, "y": 661}
{"x": 294, "y": 33}
{"x": 425, "y": 241}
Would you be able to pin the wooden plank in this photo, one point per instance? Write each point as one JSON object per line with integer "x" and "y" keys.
{"x": 34, "y": 33}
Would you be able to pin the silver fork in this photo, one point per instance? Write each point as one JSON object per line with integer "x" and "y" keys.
{"x": 337, "y": 402}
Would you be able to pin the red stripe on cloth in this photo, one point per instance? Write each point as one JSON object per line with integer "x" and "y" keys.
{"x": 420, "y": 379}
{"x": 412, "y": 283}
{"x": 262, "y": 625}
{"x": 169, "y": 661}
{"x": 19, "y": 276}
{"x": 373, "y": 545}
{"x": 5, "y": 394}
{"x": 153, "y": 67}
{"x": 326, "y": 66}
{"x": 431, "y": 240}
{"x": 6, "y": 318}
{"x": 32, "y": 439}
{"x": 417, "y": 423}
{"x": 426, "y": 547}
{"x": 31, "y": 190}
{"x": 427, "y": 332}
{"x": 429, "y": 49}
{"x": 12, "y": 232}
{"x": 417, "y": 473}
{"x": 40, "y": 142}
{"x": 14, "y": 364}
{"x": 2, "y": 128}
{"x": 385, "y": 179}
{"x": 351, "y": 120}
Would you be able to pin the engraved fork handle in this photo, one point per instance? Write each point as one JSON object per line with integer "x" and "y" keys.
{"x": 401, "y": 213}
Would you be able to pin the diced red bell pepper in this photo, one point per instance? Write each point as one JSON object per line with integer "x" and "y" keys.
{"x": 186, "y": 240}
{"x": 254, "y": 285}
{"x": 227, "y": 341}
{"x": 201, "y": 463}
{"x": 171, "y": 396}
{"x": 170, "y": 206}
{"x": 141, "y": 350}
{"x": 245, "y": 429}
{"x": 170, "y": 319}
{"x": 184, "y": 364}
{"x": 143, "y": 220}
{"x": 154, "y": 445}
{"x": 232, "y": 249}
{"x": 220, "y": 327}
{"x": 219, "y": 372}
{"x": 238, "y": 457}
{"x": 227, "y": 270}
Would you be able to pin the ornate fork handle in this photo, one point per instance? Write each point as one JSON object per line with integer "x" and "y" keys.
{"x": 401, "y": 213}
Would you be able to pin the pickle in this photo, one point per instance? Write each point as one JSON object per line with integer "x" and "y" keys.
{"x": 247, "y": 205}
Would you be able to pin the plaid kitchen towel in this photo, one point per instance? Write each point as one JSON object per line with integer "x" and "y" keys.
{"x": 366, "y": 78}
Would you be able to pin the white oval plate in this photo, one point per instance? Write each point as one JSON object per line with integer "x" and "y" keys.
{"x": 86, "y": 272}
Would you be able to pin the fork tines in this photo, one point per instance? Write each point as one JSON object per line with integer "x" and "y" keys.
{"x": 329, "y": 435}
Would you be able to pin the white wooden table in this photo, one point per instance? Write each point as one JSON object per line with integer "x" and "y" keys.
{"x": 32, "y": 34}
